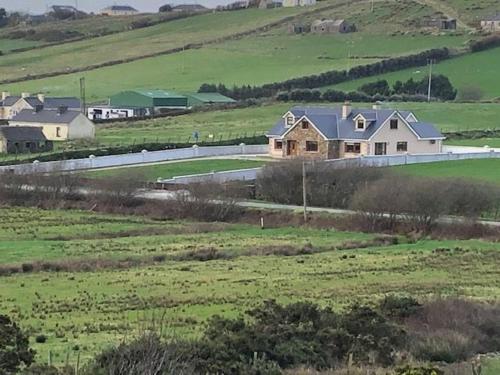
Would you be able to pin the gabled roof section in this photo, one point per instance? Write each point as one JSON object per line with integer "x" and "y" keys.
{"x": 22, "y": 133}
{"x": 425, "y": 130}
{"x": 211, "y": 97}
{"x": 10, "y": 101}
{"x": 46, "y": 116}
{"x": 56, "y": 102}
{"x": 329, "y": 122}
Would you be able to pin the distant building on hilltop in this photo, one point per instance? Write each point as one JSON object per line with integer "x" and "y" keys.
{"x": 270, "y": 4}
{"x": 492, "y": 23}
{"x": 10, "y": 105}
{"x": 298, "y": 3}
{"x": 331, "y": 27}
{"x": 299, "y": 28}
{"x": 443, "y": 23}
{"x": 119, "y": 10}
{"x": 189, "y": 8}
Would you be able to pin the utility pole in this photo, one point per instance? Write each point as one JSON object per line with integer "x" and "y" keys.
{"x": 430, "y": 81}
{"x": 83, "y": 104}
{"x": 373, "y": 5}
{"x": 304, "y": 190}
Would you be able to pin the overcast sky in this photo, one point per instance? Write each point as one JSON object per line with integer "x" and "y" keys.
{"x": 39, "y": 6}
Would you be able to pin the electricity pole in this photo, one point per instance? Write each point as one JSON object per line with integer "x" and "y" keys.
{"x": 430, "y": 81}
{"x": 304, "y": 190}
{"x": 83, "y": 104}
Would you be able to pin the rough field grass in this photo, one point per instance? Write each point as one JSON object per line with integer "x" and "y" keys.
{"x": 255, "y": 60}
{"x": 478, "y": 69}
{"x": 6, "y": 45}
{"x": 87, "y": 309}
{"x": 483, "y": 170}
{"x": 257, "y": 120}
{"x": 169, "y": 170}
{"x": 479, "y": 142}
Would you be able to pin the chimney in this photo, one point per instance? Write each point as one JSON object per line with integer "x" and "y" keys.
{"x": 25, "y": 95}
{"x": 41, "y": 97}
{"x": 38, "y": 108}
{"x": 377, "y": 106}
{"x": 346, "y": 110}
{"x": 5, "y": 95}
{"x": 62, "y": 109}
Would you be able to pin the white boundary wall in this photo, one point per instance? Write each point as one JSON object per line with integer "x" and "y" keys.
{"x": 365, "y": 161}
{"x": 144, "y": 157}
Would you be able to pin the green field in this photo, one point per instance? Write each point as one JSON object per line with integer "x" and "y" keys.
{"x": 483, "y": 170}
{"x": 234, "y": 123}
{"x": 184, "y": 168}
{"x": 92, "y": 309}
{"x": 478, "y": 69}
{"x": 6, "y": 45}
{"x": 478, "y": 142}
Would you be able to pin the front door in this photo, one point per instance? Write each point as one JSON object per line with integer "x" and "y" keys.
{"x": 381, "y": 148}
{"x": 291, "y": 148}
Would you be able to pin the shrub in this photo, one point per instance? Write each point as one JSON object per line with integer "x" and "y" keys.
{"x": 14, "y": 347}
{"x": 470, "y": 93}
{"x": 399, "y": 307}
{"x": 41, "y": 339}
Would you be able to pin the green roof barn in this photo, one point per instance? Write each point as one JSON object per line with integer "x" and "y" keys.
{"x": 207, "y": 98}
{"x": 156, "y": 99}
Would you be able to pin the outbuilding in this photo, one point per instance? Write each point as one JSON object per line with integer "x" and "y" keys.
{"x": 23, "y": 139}
{"x": 208, "y": 98}
{"x": 157, "y": 101}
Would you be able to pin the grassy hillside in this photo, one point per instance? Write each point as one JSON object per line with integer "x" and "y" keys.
{"x": 478, "y": 69}
{"x": 232, "y": 123}
{"x": 91, "y": 309}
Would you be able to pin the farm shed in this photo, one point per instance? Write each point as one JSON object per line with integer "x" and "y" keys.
{"x": 208, "y": 98}
{"x": 23, "y": 139}
{"x": 156, "y": 100}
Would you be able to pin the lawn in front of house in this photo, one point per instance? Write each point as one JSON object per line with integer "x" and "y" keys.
{"x": 487, "y": 170}
{"x": 172, "y": 169}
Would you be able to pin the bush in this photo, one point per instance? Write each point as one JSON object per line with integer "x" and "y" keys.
{"x": 470, "y": 93}
{"x": 41, "y": 339}
{"x": 14, "y": 347}
{"x": 396, "y": 307}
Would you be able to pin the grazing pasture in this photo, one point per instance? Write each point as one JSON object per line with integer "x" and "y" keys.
{"x": 472, "y": 70}
{"x": 487, "y": 170}
{"x": 118, "y": 273}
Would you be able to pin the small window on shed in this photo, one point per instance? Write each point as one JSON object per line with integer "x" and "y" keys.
{"x": 58, "y": 132}
{"x": 311, "y": 146}
{"x": 394, "y": 124}
{"x": 433, "y": 141}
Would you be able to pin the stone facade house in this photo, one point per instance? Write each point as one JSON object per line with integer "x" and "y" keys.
{"x": 331, "y": 27}
{"x": 57, "y": 125}
{"x": 23, "y": 139}
{"x": 491, "y": 24}
{"x": 334, "y": 133}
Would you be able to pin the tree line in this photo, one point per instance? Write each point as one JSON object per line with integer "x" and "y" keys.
{"x": 329, "y": 78}
{"x": 441, "y": 88}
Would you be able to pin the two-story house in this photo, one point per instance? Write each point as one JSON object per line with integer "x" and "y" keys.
{"x": 333, "y": 133}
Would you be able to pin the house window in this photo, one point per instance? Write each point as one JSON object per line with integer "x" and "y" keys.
{"x": 353, "y": 148}
{"x": 278, "y": 145}
{"x": 311, "y": 146}
{"x": 394, "y": 124}
{"x": 305, "y": 125}
{"x": 290, "y": 120}
{"x": 402, "y": 146}
{"x": 433, "y": 142}
{"x": 360, "y": 124}
{"x": 58, "y": 132}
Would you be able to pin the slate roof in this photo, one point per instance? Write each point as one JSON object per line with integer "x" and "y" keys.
{"x": 10, "y": 101}
{"x": 56, "y": 102}
{"x": 22, "y": 133}
{"x": 495, "y": 17}
{"x": 122, "y": 8}
{"x": 330, "y": 123}
{"x": 33, "y": 101}
{"x": 45, "y": 116}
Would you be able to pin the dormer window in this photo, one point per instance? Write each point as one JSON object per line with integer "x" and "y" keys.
{"x": 360, "y": 124}
{"x": 290, "y": 120}
{"x": 394, "y": 124}
{"x": 305, "y": 125}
